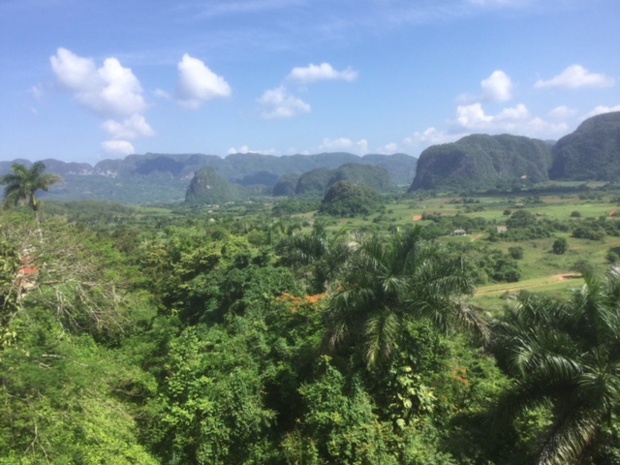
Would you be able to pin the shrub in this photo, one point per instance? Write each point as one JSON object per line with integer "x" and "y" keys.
{"x": 516, "y": 252}
{"x": 560, "y": 246}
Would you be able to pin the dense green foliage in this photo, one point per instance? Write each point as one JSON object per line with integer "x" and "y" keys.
{"x": 314, "y": 182}
{"x": 591, "y": 152}
{"x": 151, "y": 336}
{"x": 347, "y": 199}
{"x": 479, "y": 162}
{"x": 285, "y": 186}
{"x": 317, "y": 182}
{"x": 564, "y": 359}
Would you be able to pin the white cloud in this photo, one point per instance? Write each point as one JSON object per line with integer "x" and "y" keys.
{"x": 497, "y": 87}
{"x": 576, "y": 76}
{"x": 392, "y": 147}
{"x": 562, "y": 112}
{"x": 118, "y": 147}
{"x": 242, "y": 149}
{"x": 471, "y": 116}
{"x": 515, "y": 120}
{"x": 72, "y": 71}
{"x": 323, "y": 72}
{"x": 600, "y": 109}
{"x": 131, "y": 128}
{"x": 345, "y": 144}
{"x": 197, "y": 83}
{"x": 278, "y": 103}
{"x": 362, "y": 146}
{"x": 246, "y": 149}
{"x": 111, "y": 90}
{"x": 430, "y": 136}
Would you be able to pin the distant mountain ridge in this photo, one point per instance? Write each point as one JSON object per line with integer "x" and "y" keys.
{"x": 164, "y": 178}
{"x": 480, "y": 161}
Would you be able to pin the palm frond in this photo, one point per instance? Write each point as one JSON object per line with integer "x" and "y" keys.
{"x": 381, "y": 334}
{"x": 568, "y": 439}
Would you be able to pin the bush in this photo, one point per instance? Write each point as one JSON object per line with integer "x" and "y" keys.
{"x": 560, "y": 246}
{"x": 346, "y": 199}
{"x": 516, "y": 252}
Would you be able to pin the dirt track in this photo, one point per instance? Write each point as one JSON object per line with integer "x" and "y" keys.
{"x": 550, "y": 280}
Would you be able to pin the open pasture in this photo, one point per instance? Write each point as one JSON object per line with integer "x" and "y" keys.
{"x": 541, "y": 269}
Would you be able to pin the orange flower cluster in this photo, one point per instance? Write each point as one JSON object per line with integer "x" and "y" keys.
{"x": 459, "y": 375}
{"x": 296, "y": 303}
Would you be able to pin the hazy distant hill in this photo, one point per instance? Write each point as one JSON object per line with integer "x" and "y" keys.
{"x": 164, "y": 178}
{"x": 400, "y": 167}
{"x": 318, "y": 181}
{"x": 207, "y": 187}
{"x": 479, "y": 161}
{"x": 591, "y": 152}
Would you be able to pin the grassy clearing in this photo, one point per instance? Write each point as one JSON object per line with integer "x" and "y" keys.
{"x": 541, "y": 269}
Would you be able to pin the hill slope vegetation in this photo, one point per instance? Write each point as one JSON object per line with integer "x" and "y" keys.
{"x": 592, "y": 152}
{"x": 479, "y": 161}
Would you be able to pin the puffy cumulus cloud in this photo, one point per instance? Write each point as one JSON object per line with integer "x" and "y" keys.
{"x": 600, "y": 109}
{"x": 118, "y": 147}
{"x": 323, "y": 72}
{"x": 562, "y": 112}
{"x": 473, "y": 117}
{"x": 278, "y": 103}
{"x": 389, "y": 148}
{"x": 430, "y": 136}
{"x": 247, "y": 149}
{"x": 110, "y": 90}
{"x": 514, "y": 120}
{"x": 576, "y": 76}
{"x": 497, "y": 87}
{"x": 131, "y": 128}
{"x": 344, "y": 143}
{"x": 242, "y": 149}
{"x": 197, "y": 83}
{"x": 281, "y": 103}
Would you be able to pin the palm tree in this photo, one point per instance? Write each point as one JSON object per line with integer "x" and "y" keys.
{"x": 394, "y": 282}
{"x": 566, "y": 355}
{"x": 323, "y": 255}
{"x": 23, "y": 182}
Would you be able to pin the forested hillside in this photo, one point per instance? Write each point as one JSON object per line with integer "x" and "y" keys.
{"x": 592, "y": 152}
{"x": 164, "y": 178}
{"x": 480, "y": 161}
{"x": 317, "y": 182}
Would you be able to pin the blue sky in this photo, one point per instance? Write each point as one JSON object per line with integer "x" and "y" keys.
{"x": 88, "y": 80}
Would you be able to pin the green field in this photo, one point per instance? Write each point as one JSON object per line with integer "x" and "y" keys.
{"x": 540, "y": 267}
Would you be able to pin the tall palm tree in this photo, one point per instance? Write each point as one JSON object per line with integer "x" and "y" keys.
{"x": 23, "y": 182}
{"x": 317, "y": 251}
{"x": 391, "y": 283}
{"x": 567, "y": 355}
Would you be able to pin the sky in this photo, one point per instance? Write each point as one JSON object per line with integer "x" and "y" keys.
{"x": 90, "y": 80}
